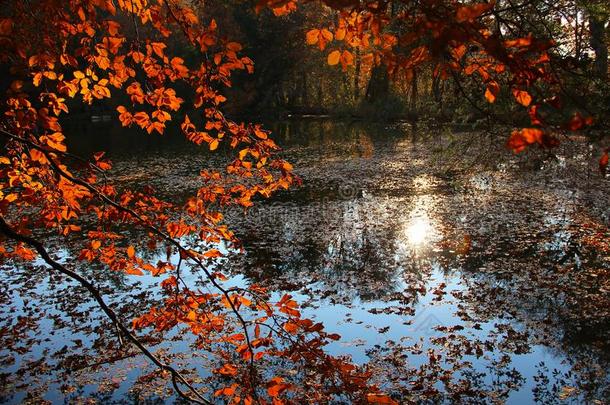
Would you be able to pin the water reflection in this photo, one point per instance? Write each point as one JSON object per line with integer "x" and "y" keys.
{"x": 418, "y": 231}
{"x": 415, "y": 240}
{"x": 377, "y": 243}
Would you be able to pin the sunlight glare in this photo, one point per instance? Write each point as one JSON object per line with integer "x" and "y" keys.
{"x": 418, "y": 231}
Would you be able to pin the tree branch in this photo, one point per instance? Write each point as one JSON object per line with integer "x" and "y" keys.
{"x": 95, "y": 293}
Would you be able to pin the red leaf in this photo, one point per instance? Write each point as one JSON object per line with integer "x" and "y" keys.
{"x": 276, "y": 386}
{"x": 519, "y": 140}
{"x": 603, "y": 162}
{"x": 470, "y": 13}
{"x": 578, "y": 121}
{"x": 380, "y": 399}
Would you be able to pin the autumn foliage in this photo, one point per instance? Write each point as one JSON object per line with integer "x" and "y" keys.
{"x": 456, "y": 38}
{"x": 64, "y": 53}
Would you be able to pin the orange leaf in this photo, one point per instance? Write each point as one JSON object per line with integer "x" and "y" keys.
{"x": 124, "y": 116}
{"x": 131, "y": 252}
{"x": 158, "y": 48}
{"x": 327, "y": 35}
{"x": 142, "y": 119}
{"x": 518, "y": 43}
{"x": 334, "y": 57}
{"x": 312, "y": 37}
{"x": 291, "y": 328}
{"x": 161, "y": 115}
{"x": 491, "y": 92}
{"x": 347, "y": 59}
{"x": 191, "y": 316}
{"x": 155, "y": 126}
{"x": 227, "y": 391}
{"x": 276, "y": 386}
{"x": 55, "y": 141}
{"x": 522, "y": 97}
{"x": 137, "y": 57}
{"x": 228, "y": 369}
{"x": 260, "y": 133}
{"x": 113, "y": 27}
{"x": 112, "y": 43}
{"x": 132, "y": 271}
{"x": 37, "y": 78}
{"x": 212, "y": 253}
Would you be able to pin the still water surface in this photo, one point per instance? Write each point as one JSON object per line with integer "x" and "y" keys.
{"x": 403, "y": 242}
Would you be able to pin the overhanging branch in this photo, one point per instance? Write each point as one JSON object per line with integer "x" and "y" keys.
{"x": 177, "y": 377}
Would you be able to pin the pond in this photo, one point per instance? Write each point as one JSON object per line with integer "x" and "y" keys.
{"x": 451, "y": 265}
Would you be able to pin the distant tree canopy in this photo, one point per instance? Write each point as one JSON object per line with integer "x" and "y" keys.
{"x": 158, "y": 62}
{"x": 571, "y": 34}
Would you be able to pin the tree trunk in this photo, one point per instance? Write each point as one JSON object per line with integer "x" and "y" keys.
{"x": 437, "y": 90}
{"x": 436, "y": 86}
{"x": 414, "y": 92}
{"x": 577, "y": 36}
{"x": 379, "y": 84}
{"x": 320, "y": 94}
{"x": 598, "y": 43}
{"x": 304, "y": 101}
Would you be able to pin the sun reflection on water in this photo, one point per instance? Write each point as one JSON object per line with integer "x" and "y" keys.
{"x": 419, "y": 226}
{"x": 418, "y": 231}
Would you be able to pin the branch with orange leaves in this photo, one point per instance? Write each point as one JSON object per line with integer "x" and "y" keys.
{"x": 281, "y": 330}
{"x": 106, "y": 199}
{"x": 177, "y": 377}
